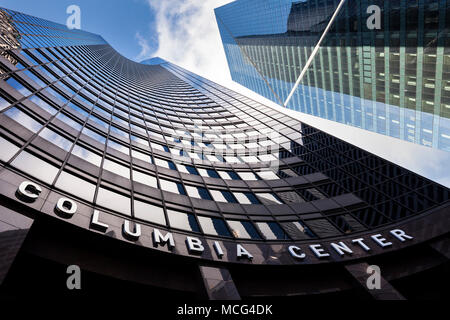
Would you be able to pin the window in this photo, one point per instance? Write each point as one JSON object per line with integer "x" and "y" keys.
{"x": 87, "y": 155}
{"x": 23, "y": 119}
{"x": 347, "y": 223}
{"x": 268, "y": 198}
{"x": 297, "y": 230}
{"x": 290, "y": 197}
{"x": 267, "y": 157}
{"x": 223, "y": 196}
{"x": 246, "y": 198}
{"x": 119, "y": 147}
{"x": 3, "y": 104}
{"x": 243, "y": 230}
{"x": 8, "y": 150}
{"x": 97, "y": 121}
{"x": 56, "y": 139}
{"x": 236, "y": 146}
{"x": 170, "y": 186}
{"x": 208, "y": 173}
{"x": 76, "y": 186}
{"x": 159, "y": 147}
{"x": 187, "y": 169}
{"x": 213, "y": 158}
{"x": 272, "y": 231}
{"x": 139, "y": 140}
{"x": 114, "y": 201}
{"x": 323, "y": 228}
{"x": 247, "y": 176}
{"x": 43, "y": 105}
{"x": 18, "y": 86}
{"x": 149, "y": 212}
{"x": 116, "y": 168}
{"x": 77, "y": 111}
{"x": 197, "y": 156}
{"x": 267, "y": 175}
{"x": 94, "y": 135}
{"x": 229, "y": 175}
{"x": 165, "y": 164}
{"x": 145, "y": 179}
{"x": 198, "y": 192}
{"x": 141, "y": 156}
{"x": 181, "y": 220}
{"x": 316, "y": 193}
{"x": 69, "y": 121}
{"x": 251, "y": 145}
{"x": 214, "y": 226}
{"x": 119, "y": 132}
{"x": 250, "y": 159}
{"x": 35, "y": 167}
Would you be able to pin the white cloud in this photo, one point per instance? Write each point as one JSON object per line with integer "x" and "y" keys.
{"x": 146, "y": 50}
{"x": 188, "y": 36}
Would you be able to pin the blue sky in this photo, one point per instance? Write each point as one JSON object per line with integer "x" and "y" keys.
{"x": 118, "y": 21}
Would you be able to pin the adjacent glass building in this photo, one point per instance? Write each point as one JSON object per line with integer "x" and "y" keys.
{"x": 148, "y": 173}
{"x": 383, "y": 66}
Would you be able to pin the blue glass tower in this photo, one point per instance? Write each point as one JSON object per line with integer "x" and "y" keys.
{"x": 383, "y": 66}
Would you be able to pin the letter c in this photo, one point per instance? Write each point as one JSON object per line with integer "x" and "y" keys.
{"x": 29, "y": 190}
{"x": 296, "y": 252}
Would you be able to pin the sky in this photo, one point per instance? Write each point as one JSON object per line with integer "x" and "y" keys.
{"x": 185, "y": 32}
{"x": 120, "y": 22}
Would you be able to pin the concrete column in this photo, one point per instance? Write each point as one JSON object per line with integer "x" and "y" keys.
{"x": 14, "y": 228}
{"x": 218, "y": 284}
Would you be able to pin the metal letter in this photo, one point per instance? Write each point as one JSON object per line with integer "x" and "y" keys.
{"x": 401, "y": 235}
{"x": 293, "y": 251}
{"x": 360, "y": 241}
{"x": 318, "y": 251}
{"x": 96, "y": 224}
{"x": 341, "y": 248}
{"x": 66, "y": 207}
{"x": 159, "y": 239}
{"x": 29, "y": 190}
{"x": 134, "y": 235}
{"x": 378, "y": 238}
{"x": 241, "y": 252}
{"x": 218, "y": 249}
{"x": 194, "y": 245}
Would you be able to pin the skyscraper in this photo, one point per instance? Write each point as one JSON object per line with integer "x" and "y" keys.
{"x": 149, "y": 176}
{"x": 381, "y": 65}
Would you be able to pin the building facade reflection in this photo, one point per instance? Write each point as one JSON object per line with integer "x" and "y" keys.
{"x": 394, "y": 80}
